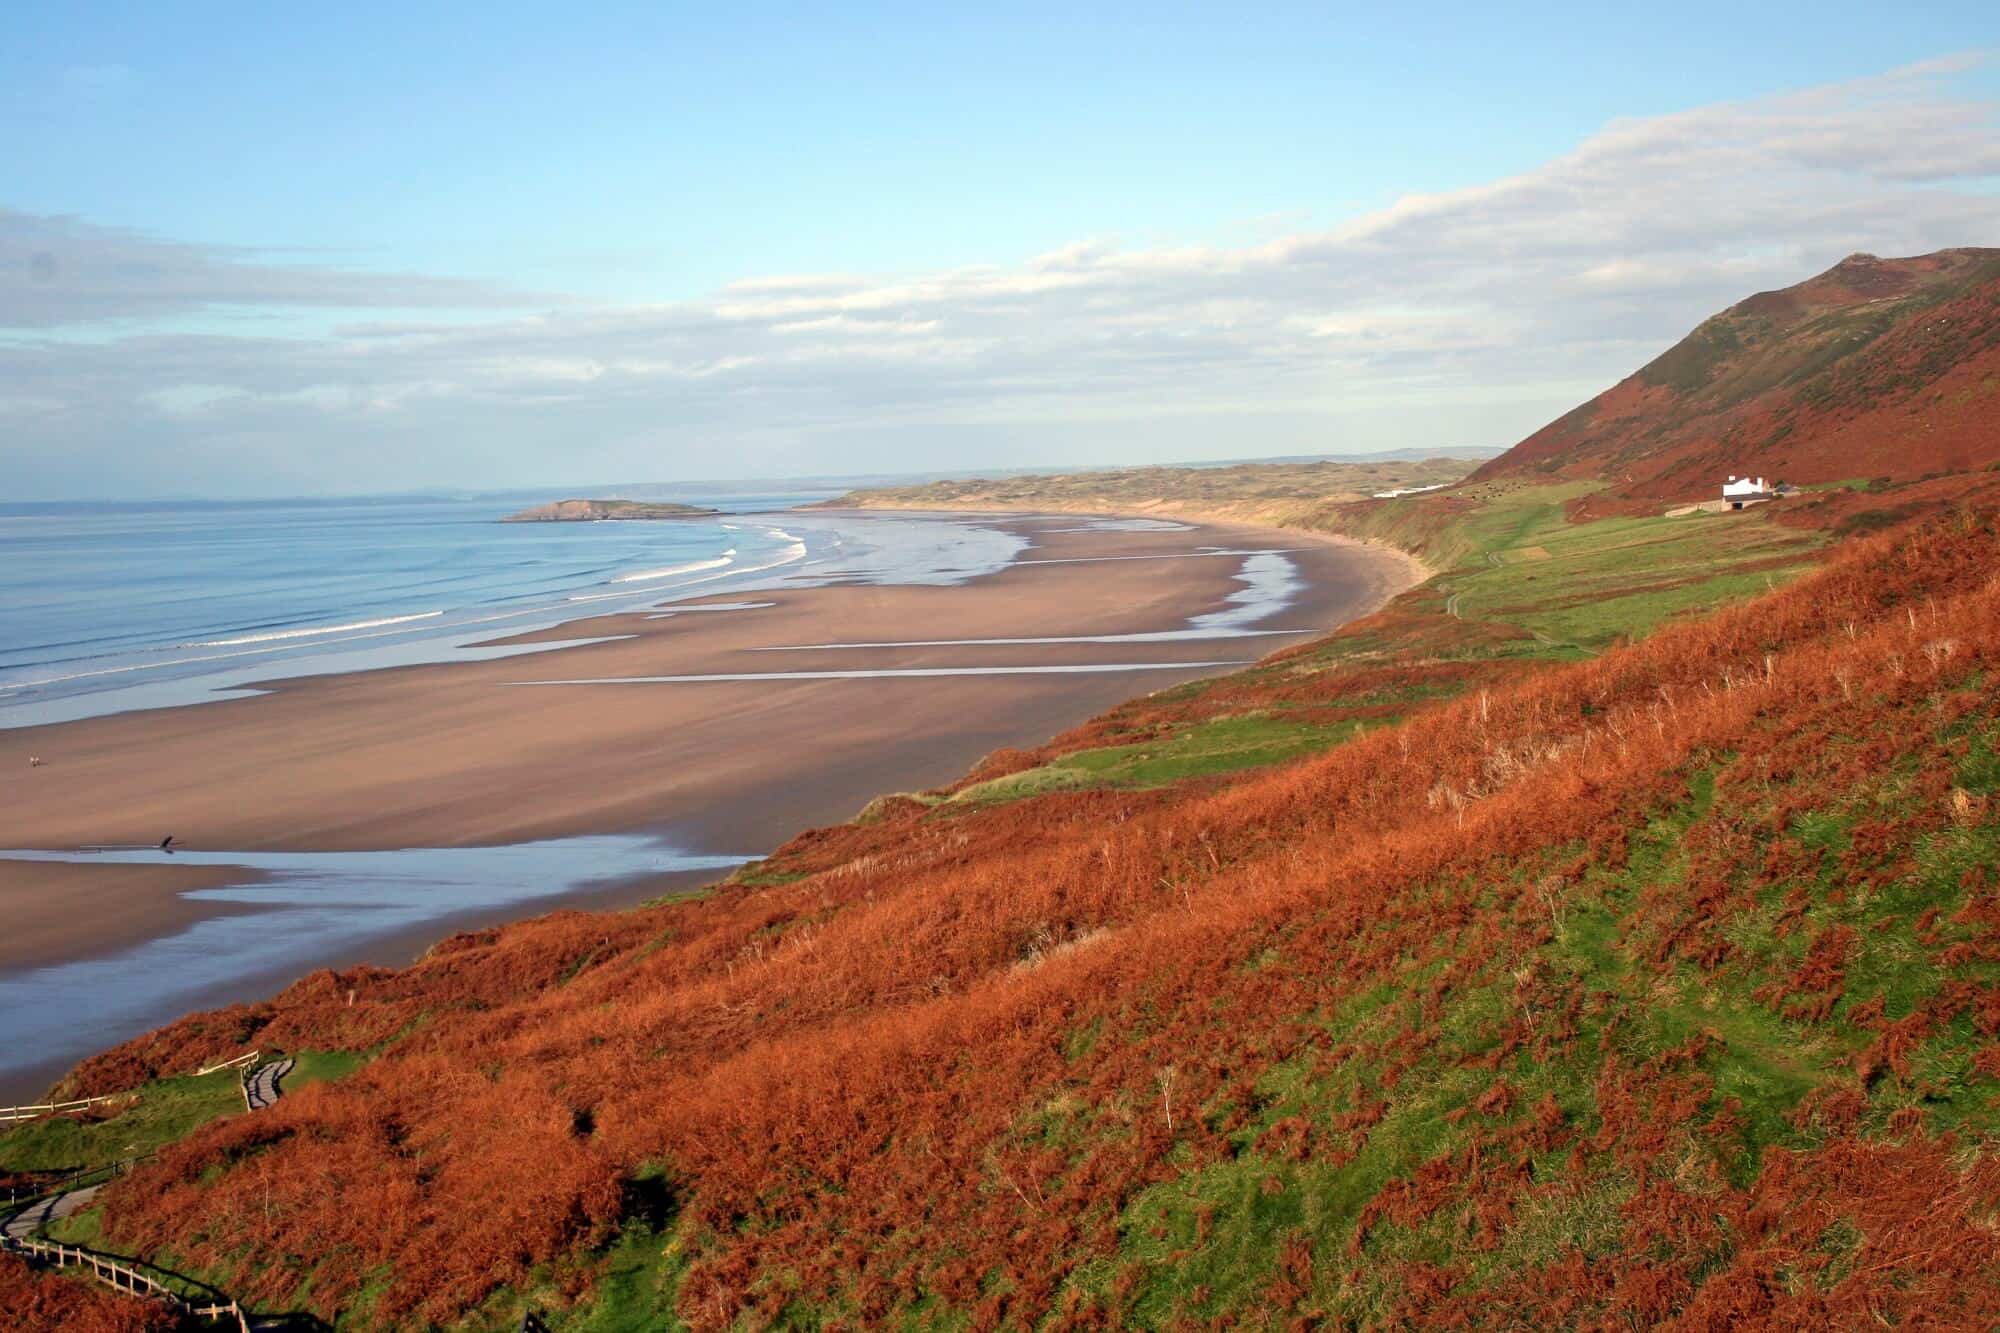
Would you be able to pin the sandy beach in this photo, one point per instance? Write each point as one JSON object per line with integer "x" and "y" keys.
{"x": 480, "y": 753}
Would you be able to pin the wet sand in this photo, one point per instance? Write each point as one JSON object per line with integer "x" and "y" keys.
{"x": 43, "y": 907}
{"x": 468, "y": 754}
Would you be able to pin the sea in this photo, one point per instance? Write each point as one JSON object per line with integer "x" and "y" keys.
{"x": 110, "y": 607}
{"x": 106, "y": 608}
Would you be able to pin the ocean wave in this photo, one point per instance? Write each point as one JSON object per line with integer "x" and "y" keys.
{"x": 691, "y": 567}
{"x": 638, "y": 587}
{"x": 260, "y": 651}
{"x": 708, "y": 571}
{"x": 791, "y": 555}
{"x": 311, "y": 632}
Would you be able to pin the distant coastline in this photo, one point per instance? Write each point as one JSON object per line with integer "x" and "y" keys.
{"x": 594, "y": 511}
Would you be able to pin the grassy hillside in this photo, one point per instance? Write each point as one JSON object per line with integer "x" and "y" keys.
{"x": 1590, "y": 981}
{"x": 1878, "y": 367}
{"x": 161, "y": 1110}
{"x": 1521, "y": 588}
{"x": 1605, "y": 933}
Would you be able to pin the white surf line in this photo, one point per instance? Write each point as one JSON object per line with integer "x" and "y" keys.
{"x": 1269, "y": 581}
{"x": 1173, "y": 555}
{"x": 686, "y": 567}
{"x": 1153, "y": 636}
{"x": 461, "y": 635}
{"x": 240, "y": 652}
{"x": 893, "y": 672}
{"x": 673, "y": 611}
{"x": 311, "y": 631}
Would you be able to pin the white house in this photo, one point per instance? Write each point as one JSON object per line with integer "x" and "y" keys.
{"x": 1739, "y": 489}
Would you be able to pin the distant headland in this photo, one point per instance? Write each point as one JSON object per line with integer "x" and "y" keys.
{"x": 591, "y": 511}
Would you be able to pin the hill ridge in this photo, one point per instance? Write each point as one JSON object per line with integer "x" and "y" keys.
{"x": 1875, "y": 367}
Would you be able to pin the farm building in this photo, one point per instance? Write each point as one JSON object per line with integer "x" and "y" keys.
{"x": 1739, "y": 490}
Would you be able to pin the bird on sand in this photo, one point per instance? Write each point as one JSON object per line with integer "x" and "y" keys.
{"x": 166, "y": 844}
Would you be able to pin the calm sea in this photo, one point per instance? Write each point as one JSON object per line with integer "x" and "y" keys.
{"x": 110, "y": 607}
{"x": 107, "y": 607}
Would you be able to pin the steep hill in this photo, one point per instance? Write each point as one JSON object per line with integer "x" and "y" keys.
{"x": 1661, "y": 985}
{"x": 1875, "y": 368}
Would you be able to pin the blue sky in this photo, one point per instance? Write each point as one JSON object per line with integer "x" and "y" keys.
{"x": 582, "y": 193}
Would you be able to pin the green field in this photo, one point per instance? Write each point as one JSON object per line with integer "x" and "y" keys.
{"x": 167, "y": 1109}
{"x": 1520, "y": 583}
{"x": 1586, "y": 585}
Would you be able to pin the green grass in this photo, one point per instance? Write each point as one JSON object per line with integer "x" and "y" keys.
{"x": 752, "y": 874}
{"x": 636, "y": 1288}
{"x": 1500, "y": 516}
{"x": 1589, "y": 584}
{"x": 1516, "y": 558}
{"x": 167, "y": 1110}
{"x": 84, "y": 1227}
{"x": 1527, "y": 584}
{"x": 1205, "y": 1245}
{"x": 322, "y": 1067}
{"x": 1509, "y": 555}
{"x": 1204, "y": 749}
{"x": 635, "y": 1279}
{"x": 1050, "y": 778}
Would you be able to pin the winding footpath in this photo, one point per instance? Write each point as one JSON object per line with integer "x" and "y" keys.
{"x": 261, "y": 1088}
{"x": 44, "y": 1211}
{"x": 21, "y": 1231}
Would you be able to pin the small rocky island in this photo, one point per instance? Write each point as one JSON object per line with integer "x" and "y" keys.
{"x": 592, "y": 511}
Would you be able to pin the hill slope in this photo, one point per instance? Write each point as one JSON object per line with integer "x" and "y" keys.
{"x": 1664, "y": 984}
{"x": 1877, "y": 367}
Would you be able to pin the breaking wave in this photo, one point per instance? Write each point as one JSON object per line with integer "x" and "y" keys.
{"x": 314, "y": 630}
{"x": 691, "y": 567}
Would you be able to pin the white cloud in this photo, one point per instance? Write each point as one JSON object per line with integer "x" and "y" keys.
{"x": 1455, "y": 317}
{"x": 57, "y": 271}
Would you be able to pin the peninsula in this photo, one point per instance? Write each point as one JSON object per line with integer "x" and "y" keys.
{"x": 591, "y": 511}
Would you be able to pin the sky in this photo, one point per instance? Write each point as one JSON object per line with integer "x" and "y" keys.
{"x": 245, "y": 252}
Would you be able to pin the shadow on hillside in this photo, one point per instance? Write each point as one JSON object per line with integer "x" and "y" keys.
{"x": 300, "y": 1322}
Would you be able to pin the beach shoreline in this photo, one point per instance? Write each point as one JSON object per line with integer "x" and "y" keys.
{"x": 1250, "y": 515}
{"x": 457, "y": 754}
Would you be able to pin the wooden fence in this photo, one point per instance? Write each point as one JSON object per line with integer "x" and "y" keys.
{"x": 121, "y": 1275}
{"x": 10, "y": 1114}
{"x": 77, "y": 1179}
{"x": 248, "y": 1058}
